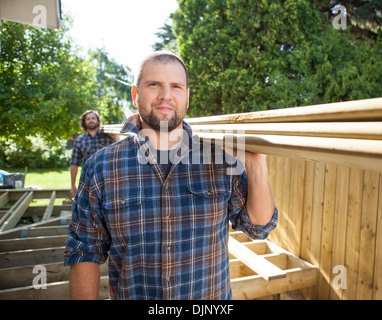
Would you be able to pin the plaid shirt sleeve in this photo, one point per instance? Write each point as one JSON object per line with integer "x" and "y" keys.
{"x": 238, "y": 212}
{"x": 88, "y": 239}
{"x": 76, "y": 154}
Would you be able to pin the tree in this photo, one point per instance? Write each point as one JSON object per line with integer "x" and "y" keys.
{"x": 248, "y": 55}
{"x": 167, "y": 39}
{"x": 114, "y": 85}
{"x": 44, "y": 84}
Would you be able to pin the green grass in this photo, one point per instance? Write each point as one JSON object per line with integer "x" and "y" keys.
{"x": 47, "y": 178}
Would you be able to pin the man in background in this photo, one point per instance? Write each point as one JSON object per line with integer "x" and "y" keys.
{"x": 87, "y": 144}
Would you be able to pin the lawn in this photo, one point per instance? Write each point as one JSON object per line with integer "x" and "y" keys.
{"x": 47, "y": 178}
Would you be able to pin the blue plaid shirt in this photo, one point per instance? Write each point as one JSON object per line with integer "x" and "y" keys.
{"x": 164, "y": 237}
{"x": 85, "y": 146}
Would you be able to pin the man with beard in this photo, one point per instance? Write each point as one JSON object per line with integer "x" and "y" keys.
{"x": 87, "y": 144}
{"x": 162, "y": 222}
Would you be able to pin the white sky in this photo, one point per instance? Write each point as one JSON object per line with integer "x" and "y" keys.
{"x": 126, "y": 28}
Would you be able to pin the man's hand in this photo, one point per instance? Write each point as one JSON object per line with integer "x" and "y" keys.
{"x": 73, "y": 191}
{"x": 260, "y": 202}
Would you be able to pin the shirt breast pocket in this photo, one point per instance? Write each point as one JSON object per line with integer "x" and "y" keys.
{"x": 209, "y": 203}
{"x": 124, "y": 215}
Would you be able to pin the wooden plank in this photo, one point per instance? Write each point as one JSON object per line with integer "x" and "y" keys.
{"x": 40, "y": 210}
{"x": 261, "y": 266}
{"x": 339, "y": 228}
{"x": 23, "y": 276}
{"x": 377, "y": 287}
{"x": 57, "y": 221}
{"x": 349, "y": 130}
{"x": 327, "y": 233}
{"x": 54, "y": 291}
{"x": 351, "y": 152}
{"x": 358, "y": 110}
{"x": 15, "y": 194}
{"x": 31, "y": 257}
{"x": 308, "y": 208}
{"x": 284, "y": 205}
{"x": 32, "y": 243}
{"x": 44, "y": 231}
{"x": 353, "y": 233}
{"x": 49, "y": 209}
{"x": 4, "y": 198}
{"x": 368, "y": 232}
{"x": 16, "y": 212}
{"x": 316, "y": 221}
{"x": 253, "y": 287}
{"x": 296, "y": 206}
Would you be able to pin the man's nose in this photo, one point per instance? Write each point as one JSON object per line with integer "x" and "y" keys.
{"x": 165, "y": 92}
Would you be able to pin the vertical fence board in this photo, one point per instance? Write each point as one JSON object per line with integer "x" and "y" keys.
{"x": 353, "y": 232}
{"x": 368, "y": 232}
{"x": 327, "y": 231}
{"x": 331, "y": 215}
{"x": 377, "y": 288}
{"x": 339, "y": 231}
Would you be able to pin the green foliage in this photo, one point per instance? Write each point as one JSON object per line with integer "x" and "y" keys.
{"x": 248, "y": 55}
{"x": 114, "y": 87}
{"x": 44, "y": 85}
{"x": 167, "y": 40}
{"x": 37, "y": 154}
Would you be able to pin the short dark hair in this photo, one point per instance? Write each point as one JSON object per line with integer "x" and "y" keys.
{"x": 83, "y": 116}
{"x": 162, "y": 57}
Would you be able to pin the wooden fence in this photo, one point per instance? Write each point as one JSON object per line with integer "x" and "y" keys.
{"x": 325, "y": 165}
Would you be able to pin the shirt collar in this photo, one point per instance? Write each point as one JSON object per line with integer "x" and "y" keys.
{"x": 97, "y": 133}
{"x": 134, "y": 124}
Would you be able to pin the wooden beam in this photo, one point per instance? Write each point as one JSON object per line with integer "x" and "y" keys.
{"x": 16, "y": 212}
{"x": 15, "y": 194}
{"x": 258, "y": 264}
{"x": 49, "y": 209}
{"x": 54, "y": 291}
{"x": 23, "y": 276}
{"x": 31, "y": 257}
{"x": 358, "y": 110}
{"x": 7, "y": 245}
{"x": 349, "y": 130}
{"x": 4, "y": 198}
{"x": 350, "y": 152}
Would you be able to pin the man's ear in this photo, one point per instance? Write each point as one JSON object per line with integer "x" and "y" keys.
{"x": 188, "y": 97}
{"x": 134, "y": 94}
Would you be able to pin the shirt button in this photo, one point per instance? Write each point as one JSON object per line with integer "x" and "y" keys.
{"x": 123, "y": 201}
{"x": 168, "y": 248}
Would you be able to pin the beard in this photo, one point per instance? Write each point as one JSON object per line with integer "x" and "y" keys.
{"x": 165, "y": 123}
{"x": 92, "y": 126}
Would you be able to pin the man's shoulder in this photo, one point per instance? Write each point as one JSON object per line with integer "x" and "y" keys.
{"x": 121, "y": 145}
{"x": 80, "y": 138}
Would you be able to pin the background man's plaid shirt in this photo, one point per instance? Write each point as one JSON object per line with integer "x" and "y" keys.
{"x": 85, "y": 146}
{"x": 166, "y": 238}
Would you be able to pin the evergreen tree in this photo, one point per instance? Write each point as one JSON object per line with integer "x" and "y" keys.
{"x": 246, "y": 55}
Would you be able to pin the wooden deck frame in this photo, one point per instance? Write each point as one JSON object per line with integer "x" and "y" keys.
{"x": 42, "y": 243}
